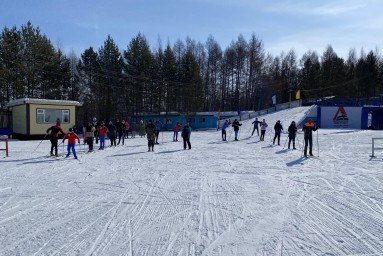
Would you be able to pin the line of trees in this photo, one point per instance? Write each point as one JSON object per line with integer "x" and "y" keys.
{"x": 186, "y": 77}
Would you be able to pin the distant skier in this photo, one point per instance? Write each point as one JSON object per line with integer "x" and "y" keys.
{"x": 277, "y": 129}
{"x": 151, "y": 134}
{"x": 158, "y": 125}
{"x": 89, "y": 131}
{"x": 53, "y": 132}
{"x": 308, "y": 129}
{"x": 112, "y": 133}
{"x": 236, "y": 126}
{"x": 72, "y": 137}
{"x": 292, "y": 134}
{"x": 224, "y": 126}
{"x": 263, "y": 130}
{"x": 102, "y": 130}
{"x": 142, "y": 129}
{"x": 256, "y": 124}
{"x": 186, "y": 132}
{"x": 176, "y": 129}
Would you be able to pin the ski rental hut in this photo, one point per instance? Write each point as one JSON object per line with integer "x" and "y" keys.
{"x": 32, "y": 117}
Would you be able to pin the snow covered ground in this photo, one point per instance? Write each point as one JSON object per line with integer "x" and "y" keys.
{"x": 219, "y": 198}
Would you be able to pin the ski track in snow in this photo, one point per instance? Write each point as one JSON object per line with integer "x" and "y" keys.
{"x": 221, "y": 198}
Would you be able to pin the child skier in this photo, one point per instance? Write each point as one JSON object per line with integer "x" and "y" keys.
{"x": 71, "y": 136}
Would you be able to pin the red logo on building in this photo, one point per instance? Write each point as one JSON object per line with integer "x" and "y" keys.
{"x": 340, "y": 114}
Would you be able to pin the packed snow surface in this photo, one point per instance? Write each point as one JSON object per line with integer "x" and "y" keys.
{"x": 241, "y": 197}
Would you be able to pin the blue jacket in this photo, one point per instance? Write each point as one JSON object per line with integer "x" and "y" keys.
{"x": 225, "y": 125}
{"x": 158, "y": 125}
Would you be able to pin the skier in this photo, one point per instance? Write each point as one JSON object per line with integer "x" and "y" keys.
{"x": 97, "y": 126}
{"x": 158, "y": 129}
{"x": 142, "y": 129}
{"x": 224, "y": 126}
{"x": 176, "y": 129}
{"x": 150, "y": 134}
{"x": 53, "y": 132}
{"x": 263, "y": 130}
{"x": 292, "y": 133}
{"x": 101, "y": 131}
{"x": 126, "y": 127}
{"x": 256, "y": 124}
{"x": 308, "y": 129}
{"x": 186, "y": 132}
{"x": 112, "y": 131}
{"x": 120, "y": 126}
{"x": 71, "y": 136}
{"x": 236, "y": 126}
{"x": 278, "y": 129}
{"x": 89, "y": 131}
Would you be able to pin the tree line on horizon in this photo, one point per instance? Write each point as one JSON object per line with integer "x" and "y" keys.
{"x": 186, "y": 77}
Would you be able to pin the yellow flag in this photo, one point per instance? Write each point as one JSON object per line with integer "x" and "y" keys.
{"x": 298, "y": 95}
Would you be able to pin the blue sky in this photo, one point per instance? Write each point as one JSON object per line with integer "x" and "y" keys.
{"x": 301, "y": 25}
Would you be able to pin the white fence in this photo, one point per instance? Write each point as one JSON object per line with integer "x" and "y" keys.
{"x": 373, "y": 146}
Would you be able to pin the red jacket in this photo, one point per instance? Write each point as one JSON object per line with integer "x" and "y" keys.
{"x": 71, "y": 136}
{"x": 102, "y": 130}
{"x": 54, "y": 131}
{"x": 177, "y": 127}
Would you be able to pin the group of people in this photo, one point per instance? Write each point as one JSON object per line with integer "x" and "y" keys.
{"x": 307, "y": 129}
{"x": 97, "y": 131}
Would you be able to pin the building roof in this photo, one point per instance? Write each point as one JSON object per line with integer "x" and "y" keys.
{"x": 22, "y": 101}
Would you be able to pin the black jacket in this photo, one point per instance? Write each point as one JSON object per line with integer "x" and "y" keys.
{"x": 292, "y": 131}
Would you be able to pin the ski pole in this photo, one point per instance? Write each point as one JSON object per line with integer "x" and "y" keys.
{"x": 318, "y": 142}
{"x": 285, "y": 142}
{"x": 40, "y": 143}
{"x": 299, "y": 145}
{"x": 303, "y": 146}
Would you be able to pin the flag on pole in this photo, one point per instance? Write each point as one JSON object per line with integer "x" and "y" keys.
{"x": 298, "y": 95}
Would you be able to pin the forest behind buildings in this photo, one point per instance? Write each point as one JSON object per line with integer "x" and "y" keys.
{"x": 188, "y": 76}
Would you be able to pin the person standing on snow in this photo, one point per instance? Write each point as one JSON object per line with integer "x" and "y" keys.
{"x": 89, "y": 131}
{"x": 53, "y": 132}
{"x": 158, "y": 129}
{"x": 236, "y": 126}
{"x": 112, "y": 132}
{"x": 263, "y": 130}
{"x": 151, "y": 134}
{"x": 186, "y": 132}
{"x": 256, "y": 124}
{"x": 142, "y": 128}
{"x": 308, "y": 129}
{"x": 72, "y": 137}
{"x": 224, "y": 126}
{"x": 278, "y": 129}
{"x": 96, "y": 126}
{"x": 292, "y": 134}
{"x": 176, "y": 129}
{"x": 102, "y": 130}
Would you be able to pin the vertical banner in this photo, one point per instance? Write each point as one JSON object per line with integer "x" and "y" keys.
{"x": 274, "y": 99}
{"x": 298, "y": 95}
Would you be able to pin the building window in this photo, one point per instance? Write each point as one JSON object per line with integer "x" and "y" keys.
{"x": 191, "y": 120}
{"x": 46, "y": 115}
{"x": 202, "y": 120}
